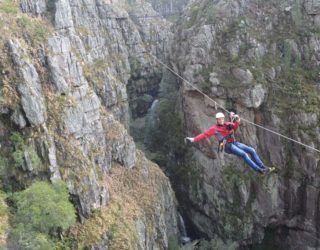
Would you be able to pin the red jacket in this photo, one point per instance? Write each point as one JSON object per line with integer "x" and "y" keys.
{"x": 216, "y": 129}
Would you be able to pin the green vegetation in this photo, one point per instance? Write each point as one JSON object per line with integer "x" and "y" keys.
{"x": 216, "y": 244}
{"x": 15, "y": 157}
{"x": 164, "y": 132}
{"x": 41, "y": 210}
{"x": 173, "y": 243}
{"x": 4, "y": 225}
{"x": 272, "y": 240}
{"x": 213, "y": 244}
{"x": 27, "y": 30}
{"x": 43, "y": 207}
{"x": 135, "y": 64}
{"x": 193, "y": 13}
{"x": 8, "y": 7}
{"x": 36, "y": 29}
{"x": 297, "y": 15}
{"x": 21, "y": 150}
{"x": 94, "y": 73}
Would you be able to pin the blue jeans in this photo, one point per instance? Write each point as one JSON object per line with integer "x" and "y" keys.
{"x": 244, "y": 151}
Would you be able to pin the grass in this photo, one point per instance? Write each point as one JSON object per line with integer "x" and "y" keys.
{"x": 95, "y": 73}
{"x": 36, "y": 28}
{"x": 30, "y": 32}
{"x": 8, "y": 7}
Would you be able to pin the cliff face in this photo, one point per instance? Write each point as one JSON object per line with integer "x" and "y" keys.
{"x": 65, "y": 67}
{"x": 70, "y": 68}
{"x": 261, "y": 59}
{"x": 169, "y": 7}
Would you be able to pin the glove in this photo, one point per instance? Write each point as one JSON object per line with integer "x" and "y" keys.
{"x": 236, "y": 117}
{"x": 188, "y": 139}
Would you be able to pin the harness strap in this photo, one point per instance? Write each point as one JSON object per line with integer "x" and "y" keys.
{"x": 223, "y": 140}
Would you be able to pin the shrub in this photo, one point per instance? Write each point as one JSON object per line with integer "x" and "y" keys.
{"x": 30, "y": 240}
{"x": 3, "y": 219}
{"x": 18, "y": 158}
{"x": 17, "y": 139}
{"x": 20, "y": 149}
{"x": 43, "y": 207}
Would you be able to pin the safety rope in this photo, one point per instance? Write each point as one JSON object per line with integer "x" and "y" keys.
{"x": 217, "y": 104}
{"x": 156, "y": 16}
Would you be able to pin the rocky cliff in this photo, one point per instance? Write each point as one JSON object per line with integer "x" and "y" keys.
{"x": 260, "y": 59}
{"x": 77, "y": 74}
{"x": 169, "y": 8}
{"x": 65, "y": 66}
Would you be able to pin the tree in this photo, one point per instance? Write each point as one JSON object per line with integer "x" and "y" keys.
{"x": 41, "y": 209}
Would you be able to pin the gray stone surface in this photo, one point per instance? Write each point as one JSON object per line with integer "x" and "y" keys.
{"x": 244, "y": 76}
{"x": 36, "y": 7}
{"x": 63, "y": 16}
{"x": 74, "y": 96}
{"x": 169, "y": 8}
{"x": 237, "y": 67}
{"x": 29, "y": 87}
{"x": 18, "y": 119}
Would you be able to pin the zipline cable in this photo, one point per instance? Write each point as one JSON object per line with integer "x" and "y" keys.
{"x": 217, "y": 104}
{"x": 156, "y": 16}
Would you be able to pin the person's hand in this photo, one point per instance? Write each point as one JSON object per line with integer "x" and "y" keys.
{"x": 188, "y": 139}
{"x": 236, "y": 118}
{"x": 231, "y": 115}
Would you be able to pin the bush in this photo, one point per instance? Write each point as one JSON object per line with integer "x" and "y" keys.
{"x": 20, "y": 149}
{"x": 43, "y": 207}
{"x": 30, "y": 240}
{"x": 17, "y": 139}
{"x": 18, "y": 158}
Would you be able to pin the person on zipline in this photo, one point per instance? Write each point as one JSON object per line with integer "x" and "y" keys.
{"x": 224, "y": 132}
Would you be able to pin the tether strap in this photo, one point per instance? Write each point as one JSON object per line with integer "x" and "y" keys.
{"x": 224, "y": 140}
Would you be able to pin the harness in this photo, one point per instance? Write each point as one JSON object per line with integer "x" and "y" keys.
{"x": 223, "y": 140}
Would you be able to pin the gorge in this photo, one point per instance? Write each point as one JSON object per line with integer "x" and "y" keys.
{"x": 84, "y": 101}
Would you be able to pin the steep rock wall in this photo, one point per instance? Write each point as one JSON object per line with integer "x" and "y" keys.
{"x": 260, "y": 59}
{"x": 65, "y": 94}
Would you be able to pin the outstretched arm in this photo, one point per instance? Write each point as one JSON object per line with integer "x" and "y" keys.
{"x": 205, "y": 135}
